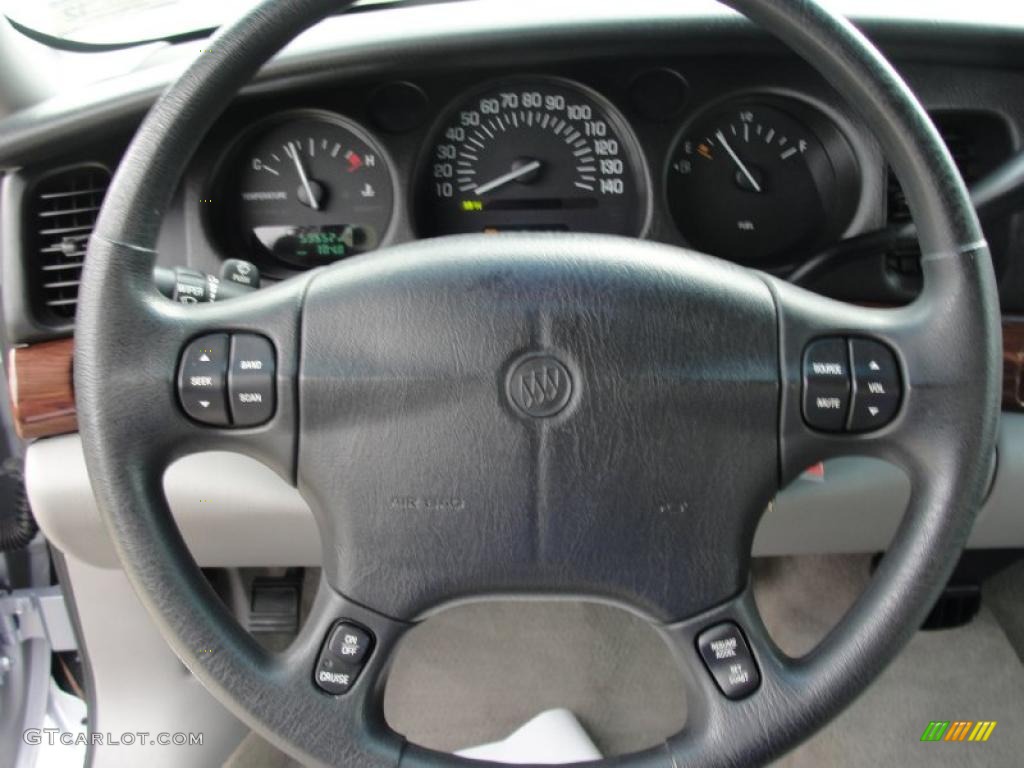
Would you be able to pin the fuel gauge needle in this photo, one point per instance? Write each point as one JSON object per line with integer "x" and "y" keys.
{"x": 739, "y": 163}
{"x": 313, "y": 202}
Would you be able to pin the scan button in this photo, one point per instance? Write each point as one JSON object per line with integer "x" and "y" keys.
{"x": 251, "y": 380}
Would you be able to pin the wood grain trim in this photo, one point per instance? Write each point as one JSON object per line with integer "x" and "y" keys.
{"x": 43, "y": 397}
{"x": 1013, "y": 364}
{"x": 41, "y": 388}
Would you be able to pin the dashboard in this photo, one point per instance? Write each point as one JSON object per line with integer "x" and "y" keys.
{"x": 692, "y": 131}
{"x": 761, "y": 177}
{"x": 759, "y": 170}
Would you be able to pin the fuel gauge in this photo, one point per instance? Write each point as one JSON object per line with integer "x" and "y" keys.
{"x": 310, "y": 188}
{"x": 761, "y": 181}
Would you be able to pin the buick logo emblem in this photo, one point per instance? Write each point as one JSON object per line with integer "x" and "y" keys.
{"x": 539, "y": 386}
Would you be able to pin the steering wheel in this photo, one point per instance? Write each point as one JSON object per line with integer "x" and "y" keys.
{"x": 543, "y": 414}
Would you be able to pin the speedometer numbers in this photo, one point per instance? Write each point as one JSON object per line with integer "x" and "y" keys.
{"x": 536, "y": 154}
{"x": 761, "y": 181}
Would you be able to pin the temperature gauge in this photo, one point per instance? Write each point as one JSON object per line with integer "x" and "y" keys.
{"x": 311, "y": 188}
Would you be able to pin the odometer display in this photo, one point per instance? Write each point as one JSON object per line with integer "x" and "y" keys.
{"x": 537, "y": 154}
{"x": 310, "y": 246}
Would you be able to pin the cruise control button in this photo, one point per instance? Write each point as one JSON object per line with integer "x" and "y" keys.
{"x": 342, "y": 657}
{"x": 728, "y": 659}
{"x": 251, "y": 380}
{"x": 334, "y": 676}
{"x": 202, "y": 379}
{"x": 349, "y": 643}
{"x": 826, "y": 384}
{"x": 876, "y": 385}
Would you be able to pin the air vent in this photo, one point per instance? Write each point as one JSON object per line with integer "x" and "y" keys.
{"x": 978, "y": 142}
{"x": 63, "y": 211}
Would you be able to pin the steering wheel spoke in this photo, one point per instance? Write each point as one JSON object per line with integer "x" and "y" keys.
{"x": 331, "y": 677}
{"x": 339, "y": 661}
{"x": 873, "y": 381}
{"x": 733, "y": 672}
{"x": 185, "y": 378}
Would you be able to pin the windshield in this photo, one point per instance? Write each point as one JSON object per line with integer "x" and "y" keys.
{"x": 124, "y": 22}
{"x": 114, "y": 22}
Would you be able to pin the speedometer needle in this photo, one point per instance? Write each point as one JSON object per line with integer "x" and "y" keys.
{"x": 739, "y": 163}
{"x": 313, "y": 202}
{"x": 515, "y": 173}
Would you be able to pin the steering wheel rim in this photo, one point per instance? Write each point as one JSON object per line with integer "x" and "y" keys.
{"x": 947, "y": 345}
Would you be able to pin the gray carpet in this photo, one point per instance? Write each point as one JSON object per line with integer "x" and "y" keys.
{"x": 474, "y": 673}
{"x": 477, "y": 672}
{"x": 969, "y": 673}
{"x": 1004, "y": 594}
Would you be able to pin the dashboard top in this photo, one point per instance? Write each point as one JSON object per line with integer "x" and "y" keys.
{"x": 479, "y": 33}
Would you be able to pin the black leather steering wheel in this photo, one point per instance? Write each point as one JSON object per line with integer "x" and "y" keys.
{"x": 408, "y": 414}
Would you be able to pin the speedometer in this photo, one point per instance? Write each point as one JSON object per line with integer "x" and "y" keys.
{"x": 533, "y": 154}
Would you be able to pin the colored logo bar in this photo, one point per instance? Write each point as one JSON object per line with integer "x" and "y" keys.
{"x": 958, "y": 730}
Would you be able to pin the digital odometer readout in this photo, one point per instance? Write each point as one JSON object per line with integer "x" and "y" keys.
{"x": 312, "y": 246}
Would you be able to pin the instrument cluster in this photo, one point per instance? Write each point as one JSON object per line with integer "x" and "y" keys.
{"x": 756, "y": 176}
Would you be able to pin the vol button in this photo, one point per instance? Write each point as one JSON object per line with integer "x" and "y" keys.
{"x": 876, "y": 385}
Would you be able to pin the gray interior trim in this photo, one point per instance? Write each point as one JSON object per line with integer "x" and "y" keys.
{"x": 231, "y": 509}
{"x": 855, "y": 507}
{"x": 234, "y": 511}
{"x": 1001, "y": 521}
{"x": 139, "y": 685}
